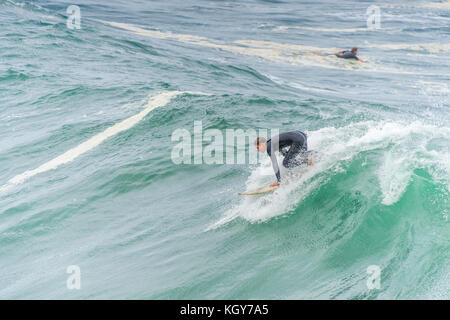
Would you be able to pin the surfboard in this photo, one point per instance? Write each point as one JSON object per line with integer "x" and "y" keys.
{"x": 262, "y": 190}
{"x": 267, "y": 189}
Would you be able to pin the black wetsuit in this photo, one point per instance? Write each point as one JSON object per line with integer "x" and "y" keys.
{"x": 347, "y": 55}
{"x": 291, "y": 144}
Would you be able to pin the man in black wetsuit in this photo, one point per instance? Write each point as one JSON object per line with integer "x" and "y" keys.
{"x": 345, "y": 54}
{"x": 292, "y": 145}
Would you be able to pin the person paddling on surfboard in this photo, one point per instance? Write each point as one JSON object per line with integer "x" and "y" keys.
{"x": 345, "y": 54}
{"x": 292, "y": 145}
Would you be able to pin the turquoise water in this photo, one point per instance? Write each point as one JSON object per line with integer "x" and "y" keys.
{"x": 87, "y": 179}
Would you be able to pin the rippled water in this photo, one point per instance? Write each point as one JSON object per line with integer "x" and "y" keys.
{"x": 87, "y": 179}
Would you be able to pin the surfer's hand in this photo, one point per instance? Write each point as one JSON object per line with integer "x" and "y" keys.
{"x": 276, "y": 184}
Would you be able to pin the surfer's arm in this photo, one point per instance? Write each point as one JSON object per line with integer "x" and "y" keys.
{"x": 275, "y": 167}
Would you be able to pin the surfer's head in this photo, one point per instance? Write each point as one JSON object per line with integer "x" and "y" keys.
{"x": 261, "y": 144}
{"x": 354, "y": 50}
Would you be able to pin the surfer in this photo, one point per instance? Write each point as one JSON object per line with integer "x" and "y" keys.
{"x": 346, "y": 54}
{"x": 292, "y": 145}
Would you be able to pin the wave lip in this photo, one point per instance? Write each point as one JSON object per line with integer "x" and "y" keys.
{"x": 400, "y": 147}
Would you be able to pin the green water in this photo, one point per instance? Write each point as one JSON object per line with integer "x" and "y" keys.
{"x": 84, "y": 181}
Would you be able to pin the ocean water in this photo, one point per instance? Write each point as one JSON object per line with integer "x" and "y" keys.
{"x": 87, "y": 178}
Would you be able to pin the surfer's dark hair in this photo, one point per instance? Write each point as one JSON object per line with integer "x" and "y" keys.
{"x": 354, "y": 49}
{"x": 260, "y": 140}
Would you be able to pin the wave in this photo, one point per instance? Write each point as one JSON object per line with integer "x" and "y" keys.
{"x": 402, "y": 147}
{"x": 433, "y": 88}
{"x": 70, "y": 155}
{"x": 391, "y": 30}
{"x": 321, "y": 57}
{"x": 266, "y": 50}
{"x": 433, "y": 47}
{"x": 283, "y": 46}
{"x": 437, "y": 5}
{"x": 293, "y": 54}
{"x": 12, "y": 74}
{"x": 200, "y": 41}
{"x": 296, "y": 85}
{"x": 38, "y": 12}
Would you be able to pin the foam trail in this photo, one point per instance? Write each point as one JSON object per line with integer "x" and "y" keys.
{"x": 438, "y": 5}
{"x": 283, "y": 28}
{"x": 427, "y": 47}
{"x": 283, "y": 46}
{"x": 266, "y": 50}
{"x": 200, "y": 41}
{"x": 271, "y": 51}
{"x": 155, "y": 102}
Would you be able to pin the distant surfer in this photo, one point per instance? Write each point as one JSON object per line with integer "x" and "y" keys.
{"x": 292, "y": 145}
{"x": 343, "y": 54}
{"x": 348, "y": 54}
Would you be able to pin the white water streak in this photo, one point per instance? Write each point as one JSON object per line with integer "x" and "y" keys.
{"x": 294, "y": 54}
{"x": 153, "y": 103}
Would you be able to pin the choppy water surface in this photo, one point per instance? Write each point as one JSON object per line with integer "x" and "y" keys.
{"x": 87, "y": 178}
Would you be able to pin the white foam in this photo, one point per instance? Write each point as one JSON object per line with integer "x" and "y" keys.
{"x": 153, "y": 102}
{"x": 17, "y": 4}
{"x": 337, "y": 145}
{"x": 334, "y": 30}
{"x": 157, "y": 34}
{"x": 433, "y": 88}
{"x": 394, "y": 176}
{"x": 294, "y": 84}
{"x": 200, "y": 41}
{"x": 433, "y": 47}
{"x": 283, "y": 46}
{"x": 437, "y": 5}
{"x": 294, "y": 54}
